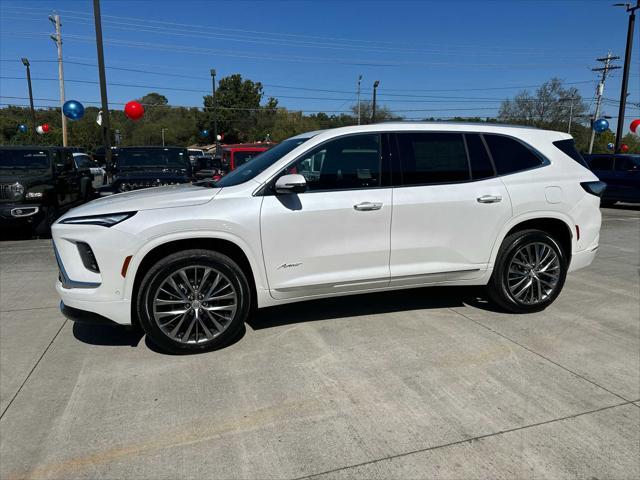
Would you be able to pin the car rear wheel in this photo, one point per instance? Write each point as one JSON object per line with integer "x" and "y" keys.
{"x": 193, "y": 301}
{"x": 529, "y": 272}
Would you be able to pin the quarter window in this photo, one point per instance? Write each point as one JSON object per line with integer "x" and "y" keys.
{"x": 509, "y": 155}
{"x": 479, "y": 157}
{"x": 432, "y": 158}
{"x": 341, "y": 164}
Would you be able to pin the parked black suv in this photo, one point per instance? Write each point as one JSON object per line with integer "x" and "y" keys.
{"x": 621, "y": 173}
{"x": 144, "y": 167}
{"x": 38, "y": 184}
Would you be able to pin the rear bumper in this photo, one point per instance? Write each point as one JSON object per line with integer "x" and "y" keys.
{"x": 583, "y": 259}
{"x": 84, "y": 316}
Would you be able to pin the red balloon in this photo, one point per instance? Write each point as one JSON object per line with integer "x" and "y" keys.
{"x": 46, "y": 127}
{"x": 634, "y": 125}
{"x": 134, "y": 110}
{"x": 624, "y": 148}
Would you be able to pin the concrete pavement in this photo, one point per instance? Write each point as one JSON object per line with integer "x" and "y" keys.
{"x": 427, "y": 383}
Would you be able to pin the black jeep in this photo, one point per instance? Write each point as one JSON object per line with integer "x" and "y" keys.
{"x": 144, "y": 167}
{"x": 38, "y": 184}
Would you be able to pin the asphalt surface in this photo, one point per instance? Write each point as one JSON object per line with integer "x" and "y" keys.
{"x": 426, "y": 383}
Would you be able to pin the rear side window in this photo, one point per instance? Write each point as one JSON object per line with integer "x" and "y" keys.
{"x": 568, "y": 147}
{"x": 432, "y": 158}
{"x": 602, "y": 163}
{"x": 509, "y": 155}
{"x": 481, "y": 166}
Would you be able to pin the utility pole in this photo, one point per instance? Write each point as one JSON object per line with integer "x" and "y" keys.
{"x": 106, "y": 127}
{"x": 215, "y": 113}
{"x": 373, "y": 107}
{"x": 359, "y": 80}
{"x": 600, "y": 90}
{"x": 625, "y": 71}
{"x": 163, "y": 129}
{"x": 570, "y": 114}
{"x": 57, "y": 37}
{"x": 25, "y": 62}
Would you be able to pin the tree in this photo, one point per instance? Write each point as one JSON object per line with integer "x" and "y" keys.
{"x": 383, "y": 113}
{"x": 153, "y": 99}
{"x": 550, "y": 107}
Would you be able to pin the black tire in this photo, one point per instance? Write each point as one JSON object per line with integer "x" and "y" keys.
{"x": 168, "y": 266}
{"x": 50, "y": 215}
{"x": 498, "y": 288}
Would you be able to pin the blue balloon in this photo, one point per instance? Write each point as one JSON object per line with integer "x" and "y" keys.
{"x": 204, "y": 133}
{"x": 600, "y": 125}
{"x": 73, "y": 110}
{"x": 23, "y": 128}
{"x": 610, "y": 146}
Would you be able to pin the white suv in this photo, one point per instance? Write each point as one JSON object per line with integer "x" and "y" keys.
{"x": 336, "y": 212}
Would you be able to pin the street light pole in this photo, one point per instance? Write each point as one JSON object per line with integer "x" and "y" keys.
{"x": 625, "y": 71}
{"x": 215, "y": 113}
{"x": 373, "y": 108}
{"x": 359, "y": 80}
{"x": 25, "y": 62}
{"x": 106, "y": 127}
{"x": 163, "y": 129}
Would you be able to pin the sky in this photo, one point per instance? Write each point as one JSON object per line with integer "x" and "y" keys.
{"x": 432, "y": 58}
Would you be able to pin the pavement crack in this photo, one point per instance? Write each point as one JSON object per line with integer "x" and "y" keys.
{"x": 466, "y": 440}
{"x": 539, "y": 355}
{"x": 33, "y": 369}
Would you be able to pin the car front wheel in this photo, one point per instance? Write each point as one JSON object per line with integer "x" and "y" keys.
{"x": 529, "y": 272}
{"x": 193, "y": 301}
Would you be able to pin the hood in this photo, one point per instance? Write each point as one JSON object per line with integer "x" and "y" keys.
{"x": 167, "y": 175}
{"x": 147, "y": 199}
{"x": 25, "y": 177}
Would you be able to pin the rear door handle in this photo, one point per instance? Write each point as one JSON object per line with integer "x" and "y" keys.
{"x": 367, "y": 206}
{"x": 489, "y": 199}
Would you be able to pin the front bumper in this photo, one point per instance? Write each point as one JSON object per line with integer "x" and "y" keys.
{"x": 21, "y": 212}
{"x": 84, "y": 316}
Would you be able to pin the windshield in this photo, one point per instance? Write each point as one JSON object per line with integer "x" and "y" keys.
{"x": 34, "y": 159}
{"x": 260, "y": 163}
{"x": 83, "y": 161}
{"x": 152, "y": 157}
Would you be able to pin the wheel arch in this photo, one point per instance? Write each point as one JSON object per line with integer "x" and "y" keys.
{"x": 230, "y": 247}
{"x": 557, "y": 225}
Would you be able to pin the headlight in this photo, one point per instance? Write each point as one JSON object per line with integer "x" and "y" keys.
{"x": 108, "y": 220}
{"x": 35, "y": 194}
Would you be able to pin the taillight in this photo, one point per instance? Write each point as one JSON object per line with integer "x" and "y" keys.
{"x": 594, "y": 188}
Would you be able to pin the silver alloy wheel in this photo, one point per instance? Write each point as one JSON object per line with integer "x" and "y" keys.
{"x": 534, "y": 273}
{"x": 195, "y": 304}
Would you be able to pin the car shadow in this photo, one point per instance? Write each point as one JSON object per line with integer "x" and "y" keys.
{"x": 623, "y": 206}
{"x": 426, "y": 298}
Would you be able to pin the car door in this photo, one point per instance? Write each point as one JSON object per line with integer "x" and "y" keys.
{"x": 448, "y": 207}
{"x": 334, "y": 237}
{"x": 602, "y": 166}
{"x": 627, "y": 175}
{"x": 65, "y": 168}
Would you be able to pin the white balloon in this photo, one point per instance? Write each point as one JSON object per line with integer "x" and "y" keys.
{"x": 40, "y": 130}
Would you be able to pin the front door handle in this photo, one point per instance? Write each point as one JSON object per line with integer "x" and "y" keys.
{"x": 489, "y": 199}
{"x": 367, "y": 206}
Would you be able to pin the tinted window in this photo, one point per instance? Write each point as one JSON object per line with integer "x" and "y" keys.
{"x": 259, "y": 165}
{"x": 568, "y": 147}
{"x": 601, "y": 163}
{"x": 152, "y": 157}
{"x": 432, "y": 158}
{"x": 509, "y": 155}
{"x": 83, "y": 161}
{"x": 479, "y": 158}
{"x": 626, "y": 164}
{"x": 341, "y": 164}
{"x": 240, "y": 158}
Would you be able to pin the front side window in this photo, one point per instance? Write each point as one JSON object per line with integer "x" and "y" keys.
{"x": 627, "y": 164}
{"x": 341, "y": 164}
{"x": 428, "y": 158}
{"x": 510, "y": 156}
{"x": 602, "y": 163}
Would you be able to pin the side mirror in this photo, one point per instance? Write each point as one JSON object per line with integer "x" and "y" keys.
{"x": 293, "y": 183}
